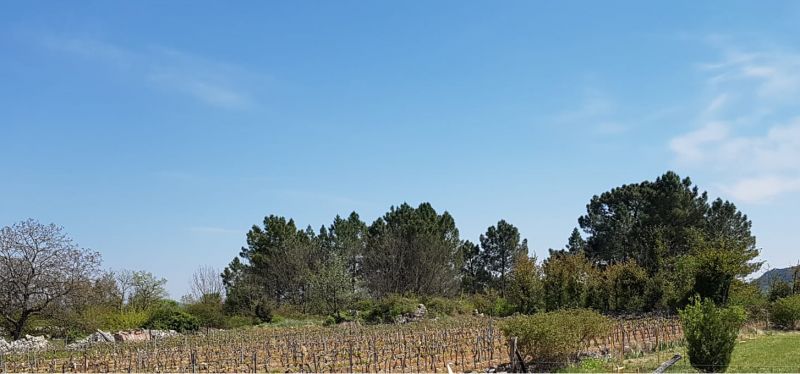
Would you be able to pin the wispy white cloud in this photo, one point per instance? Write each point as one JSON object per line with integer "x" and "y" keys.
{"x": 203, "y": 90}
{"x": 210, "y": 82}
{"x": 749, "y": 131}
{"x": 597, "y": 110}
{"x": 762, "y": 188}
{"x": 691, "y": 147}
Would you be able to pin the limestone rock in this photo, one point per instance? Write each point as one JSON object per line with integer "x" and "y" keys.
{"x": 132, "y": 336}
{"x": 26, "y": 344}
{"x": 420, "y": 312}
{"x": 99, "y": 336}
{"x": 161, "y": 334}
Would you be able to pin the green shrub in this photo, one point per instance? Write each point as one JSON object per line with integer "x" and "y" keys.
{"x": 440, "y": 306}
{"x": 749, "y": 297}
{"x": 329, "y": 321}
{"x": 170, "y": 317}
{"x": 502, "y": 308}
{"x": 235, "y": 322}
{"x": 710, "y": 334}
{"x": 208, "y": 311}
{"x": 386, "y": 309}
{"x": 124, "y": 320}
{"x": 525, "y": 286}
{"x": 778, "y": 289}
{"x": 264, "y": 312}
{"x": 554, "y": 337}
{"x": 565, "y": 280}
{"x": 784, "y": 313}
{"x": 626, "y": 283}
{"x": 491, "y": 304}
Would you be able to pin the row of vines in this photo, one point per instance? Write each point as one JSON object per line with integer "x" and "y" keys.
{"x": 472, "y": 344}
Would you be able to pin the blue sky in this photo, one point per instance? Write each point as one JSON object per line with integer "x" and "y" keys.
{"x": 158, "y": 132}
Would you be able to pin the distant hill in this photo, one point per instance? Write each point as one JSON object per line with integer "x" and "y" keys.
{"x": 765, "y": 279}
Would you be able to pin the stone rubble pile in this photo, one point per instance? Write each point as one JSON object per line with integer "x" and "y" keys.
{"x": 98, "y": 337}
{"x": 143, "y": 335}
{"x": 26, "y": 344}
{"x": 415, "y": 316}
{"x": 140, "y": 335}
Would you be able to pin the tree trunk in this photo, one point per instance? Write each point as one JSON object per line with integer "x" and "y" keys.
{"x": 18, "y": 326}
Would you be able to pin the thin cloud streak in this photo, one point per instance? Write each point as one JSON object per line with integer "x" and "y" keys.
{"x": 212, "y": 83}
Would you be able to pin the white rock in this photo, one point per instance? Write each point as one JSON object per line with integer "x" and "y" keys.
{"x": 28, "y": 344}
{"x": 4, "y": 346}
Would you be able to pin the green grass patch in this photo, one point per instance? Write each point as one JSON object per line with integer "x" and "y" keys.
{"x": 772, "y": 352}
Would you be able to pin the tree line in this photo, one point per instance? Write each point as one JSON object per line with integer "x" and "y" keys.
{"x": 641, "y": 247}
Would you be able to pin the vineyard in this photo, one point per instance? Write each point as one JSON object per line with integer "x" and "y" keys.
{"x": 473, "y": 344}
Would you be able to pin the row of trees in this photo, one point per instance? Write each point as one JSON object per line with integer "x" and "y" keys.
{"x": 643, "y": 247}
{"x": 649, "y": 246}
{"x": 45, "y": 275}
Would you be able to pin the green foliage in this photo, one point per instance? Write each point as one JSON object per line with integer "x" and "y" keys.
{"x": 554, "y": 336}
{"x": 501, "y": 246}
{"x": 575, "y": 243}
{"x": 650, "y": 246}
{"x": 475, "y": 277}
{"x": 148, "y": 290}
{"x": 347, "y": 238}
{"x": 124, "y": 320}
{"x": 785, "y": 312}
{"x": 235, "y": 322}
{"x": 441, "y": 306}
{"x": 492, "y": 304}
{"x": 388, "y": 308}
{"x": 653, "y": 221}
{"x": 710, "y": 334}
{"x": 779, "y": 289}
{"x": 329, "y": 321}
{"x": 526, "y": 288}
{"x": 208, "y": 311}
{"x": 565, "y": 277}
{"x": 330, "y": 288}
{"x": 263, "y": 311}
{"x": 413, "y": 250}
{"x": 626, "y": 283}
{"x": 718, "y": 264}
{"x": 749, "y": 297}
{"x": 168, "y": 316}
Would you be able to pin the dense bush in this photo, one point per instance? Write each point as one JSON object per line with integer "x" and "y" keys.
{"x": 784, "y": 313}
{"x": 263, "y": 312}
{"x": 440, "y": 306}
{"x": 492, "y": 304}
{"x": 749, "y": 297}
{"x": 235, "y": 322}
{"x": 208, "y": 311}
{"x": 168, "y": 316}
{"x": 625, "y": 284}
{"x": 387, "y": 309}
{"x": 525, "y": 286}
{"x": 565, "y": 280}
{"x": 124, "y": 320}
{"x": 554, "y": 337}
{"x": 779, "y": 289}
{"x": 710, "y": 333}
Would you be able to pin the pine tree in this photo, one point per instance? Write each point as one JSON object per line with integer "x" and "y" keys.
{"x": 501, "y": 245}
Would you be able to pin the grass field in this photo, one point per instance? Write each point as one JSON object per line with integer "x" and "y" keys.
{"x": 770, "y": 352}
